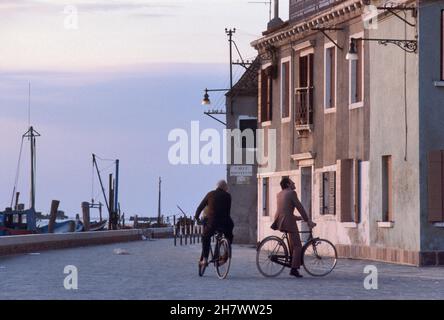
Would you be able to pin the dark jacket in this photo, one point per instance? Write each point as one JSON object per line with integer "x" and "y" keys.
{"x": 217, "y": 213}
{"x": 285, "y": 220}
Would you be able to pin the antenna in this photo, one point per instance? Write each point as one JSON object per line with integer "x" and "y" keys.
{"x": 264, "y": 2}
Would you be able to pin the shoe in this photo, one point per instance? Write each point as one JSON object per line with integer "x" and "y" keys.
{"x": 295, "y": 273}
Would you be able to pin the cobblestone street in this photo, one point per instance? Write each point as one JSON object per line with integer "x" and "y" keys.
{"x": 158, "y": 270}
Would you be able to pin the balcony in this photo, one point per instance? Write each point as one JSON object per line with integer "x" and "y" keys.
{"x": 304, "y": 109}
{"x": 303, "y": 9}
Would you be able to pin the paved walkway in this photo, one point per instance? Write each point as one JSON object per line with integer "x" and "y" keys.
{"x": 158, "y": 270}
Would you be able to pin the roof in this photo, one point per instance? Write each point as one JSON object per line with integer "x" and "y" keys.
{"x": 248, "y": 83}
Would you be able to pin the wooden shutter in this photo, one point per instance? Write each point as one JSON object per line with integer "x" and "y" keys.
{"x": 357, "y": 191}
{"x": 345, "y": 190}
{"x": 269, "y": 94}
{"x": 332, "y": 192}
{"x": 435, "y": 187}
{"x": 321, "y": 193}
{"x": 442, "y": 45}
{"x": 303, "y": 75}
{"x": 259, "y": 97}
{"x": 285, "y": 89}
{"x": 263, "y": 96}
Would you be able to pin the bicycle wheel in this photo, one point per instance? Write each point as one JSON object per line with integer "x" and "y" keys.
{"x": 271, "y": 256}
{"x": 223, "y": 259}
{"x": 319, "y": 257}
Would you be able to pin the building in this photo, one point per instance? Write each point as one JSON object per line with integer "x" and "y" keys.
{"x": 354, "y": 91}
{"x": 241, "y": 115}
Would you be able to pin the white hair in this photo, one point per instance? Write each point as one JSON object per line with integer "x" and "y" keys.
{"x": 222, "y": 184}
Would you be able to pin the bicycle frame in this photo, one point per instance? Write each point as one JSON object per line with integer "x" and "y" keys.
{"x": 286, "y": 260}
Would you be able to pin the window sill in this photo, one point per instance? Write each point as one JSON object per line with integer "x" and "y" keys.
{"x": 439, "y": 83}
{"x": 352, "y": 225}
{"x": 286, "y": 120}
{"x": 356, "y": 105}
{"x": 329, "y": 110}
{"x": 438, "y": 224}
{"x": 386, "y": 224}
{"x": 328, "y": 217}
{"x": 266, "y": 123}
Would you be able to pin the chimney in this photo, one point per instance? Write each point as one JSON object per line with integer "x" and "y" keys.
{"x": 276, "y": 21}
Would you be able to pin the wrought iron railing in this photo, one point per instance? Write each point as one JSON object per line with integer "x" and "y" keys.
{"x": 302, "y": 9}
{"x": 304, "y": 106}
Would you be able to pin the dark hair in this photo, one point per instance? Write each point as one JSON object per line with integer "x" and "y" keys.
{"x": 285, "y": 182}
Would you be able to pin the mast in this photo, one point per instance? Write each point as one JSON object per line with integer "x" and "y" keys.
{"x": 159, "y": 204}
{"x": 31, "y": 134}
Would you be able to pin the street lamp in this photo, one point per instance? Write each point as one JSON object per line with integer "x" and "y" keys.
{"x": 206, "y": 99}
{"x": 352, "y": 54}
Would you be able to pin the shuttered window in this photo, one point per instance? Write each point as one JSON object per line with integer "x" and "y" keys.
{"x": 327, "y": 194}
{"x": 442, "y": 45}
{"x": 265, "y": 197}
{"x": 387, "y": 189}
{"x": 435, "y": 186}
{"x": 349, "y": 190}
{"x": 285, "y": 89}
{"x": 266, "y": 94}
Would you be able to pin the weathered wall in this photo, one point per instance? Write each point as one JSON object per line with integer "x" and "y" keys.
{"x": 431, "y": 115}
{"x": 394, "y": 131}
{"x": 243, "y": 195}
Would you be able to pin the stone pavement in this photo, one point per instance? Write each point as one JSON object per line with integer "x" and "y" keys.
{"x": 158, "y": 270}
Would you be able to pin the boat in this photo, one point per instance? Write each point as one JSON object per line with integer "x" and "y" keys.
{"x": 17, "y": 222}
{"x": 97, "y": 226}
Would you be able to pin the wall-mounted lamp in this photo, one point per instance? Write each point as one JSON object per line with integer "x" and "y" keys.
{"x": 206, "y": 99}
{"x": 352, "y": 54}
{"x": 410, "y": 46}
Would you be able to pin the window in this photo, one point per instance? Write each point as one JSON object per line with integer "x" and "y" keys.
{"x": 328, "y": 193}
{"x": 285, "y": 89}
{"x": 304, "y": 91}
{"x": 266, "y": 94}
{"x": 387, "y": 196}
{"x": 265, "y": 197}
{"x": 350, "y": 190}
{"x": 330, "y": 78}
{"x": 436, "y": 186}
{"x": 442, "y": 45}
{"x": 248, "y": 124}
{"x": 357, "y": 74}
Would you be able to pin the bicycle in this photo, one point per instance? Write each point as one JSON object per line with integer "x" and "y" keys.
{"x": 221, "y": 257}
{"x": 319, "y": 256}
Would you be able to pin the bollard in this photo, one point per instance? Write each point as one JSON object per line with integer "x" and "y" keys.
{"x": 53, "y": 215}
{"x": 86, "y": 218}
{"x": 186, "y": 229}
{"x": 175, "y": 231}
{"x": 136, "y": 222}
{"x": 180, "y": 233}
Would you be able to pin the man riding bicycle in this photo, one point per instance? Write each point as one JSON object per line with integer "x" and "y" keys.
{"x": 285, "y": 221}
{"x": 217, "y": 217}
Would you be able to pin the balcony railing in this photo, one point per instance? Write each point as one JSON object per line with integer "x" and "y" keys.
{"x": 304, "y": 107}
{"x": 302, "y": 9}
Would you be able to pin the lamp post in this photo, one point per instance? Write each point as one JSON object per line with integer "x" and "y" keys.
{"x": 206, "y": 99}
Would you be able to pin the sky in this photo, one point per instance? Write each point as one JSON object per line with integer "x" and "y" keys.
{"x": 114, "y": 78}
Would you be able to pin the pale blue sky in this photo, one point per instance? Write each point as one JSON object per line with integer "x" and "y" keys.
{"x": 116, "y": 86}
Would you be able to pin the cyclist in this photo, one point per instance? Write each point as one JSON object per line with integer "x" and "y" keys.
{"x": 217, "y": 217}
{"x": 285, "y": 221}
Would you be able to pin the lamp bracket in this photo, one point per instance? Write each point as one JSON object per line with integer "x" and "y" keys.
{"x": 216, "y": 112}
{"x": 410, "y": 46}
{"x": 392, "y": 9}
{"x": 323, "y": 30}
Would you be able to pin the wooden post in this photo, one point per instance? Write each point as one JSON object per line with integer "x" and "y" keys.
{"x": 53, "y": 215}
{"x": 180, "y": 233}
{"x": 175, "y": 230}
{"x": 186, "y": 229}
{"x": 136, "y": 222}
{"x": 86, "y": 217}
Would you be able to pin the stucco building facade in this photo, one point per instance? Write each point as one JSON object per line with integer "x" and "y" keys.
{"x": 359, "y": 124}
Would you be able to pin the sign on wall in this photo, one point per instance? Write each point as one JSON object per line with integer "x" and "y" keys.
{"x": 241, "y": 171}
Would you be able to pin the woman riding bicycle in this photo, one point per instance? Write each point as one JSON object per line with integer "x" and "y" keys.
{"x": 285, "y": 221}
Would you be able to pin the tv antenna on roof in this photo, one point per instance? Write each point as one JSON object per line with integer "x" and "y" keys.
{"x": 264, "y": 2}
